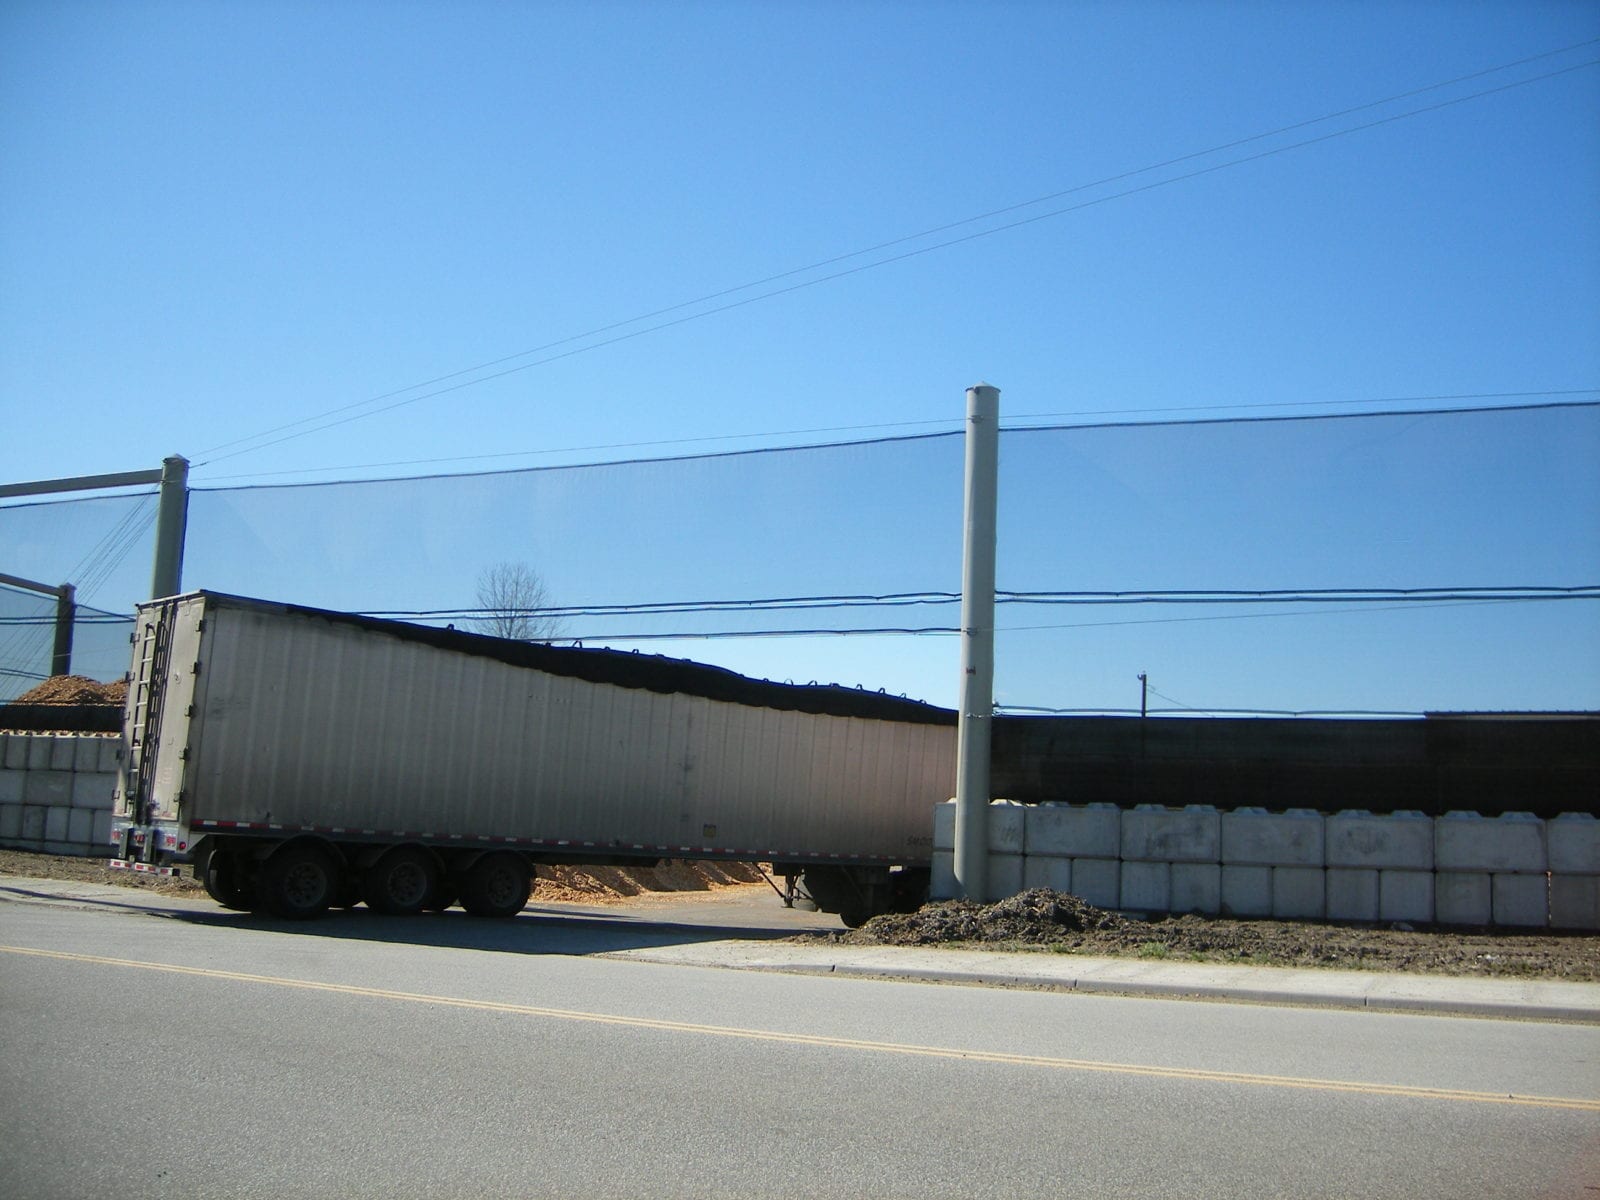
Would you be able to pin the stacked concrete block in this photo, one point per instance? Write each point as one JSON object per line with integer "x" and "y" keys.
{"x": 1196, "y": 888}
{"x": 1495, "y": 864}
{"x": 1573, "y": 847}
{"x": 1006, "y": 823}
{"x": 55, "y": 791}
{"x": 942, "y": 885}
{"x": 1066, "y": 843}
{"x": 1398, "y": 847}
{"x": 1246, "y": 891}
{"x": 1166, "y": 850}
{"x": 1291, "y": 844}
{"x": 1098, "y": 881}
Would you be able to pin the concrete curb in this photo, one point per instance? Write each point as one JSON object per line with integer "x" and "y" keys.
{"x": 1527, "y": 1000}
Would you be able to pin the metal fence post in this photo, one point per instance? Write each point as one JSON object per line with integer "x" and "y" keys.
{"x": 172, "y": 519}
{"x": 66, "y": 613}
{"x": 977, "y": 642}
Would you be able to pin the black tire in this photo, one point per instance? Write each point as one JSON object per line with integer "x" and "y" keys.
{"x": 446, "y": 894}
{"x": 227, "y": 882}
{"x": 497, "y": 885}
{"x": 401, "y": 882}
{"x": 349, "y": 891}
{"x": 298, "y": 882}
{"x": 854, "y": 916}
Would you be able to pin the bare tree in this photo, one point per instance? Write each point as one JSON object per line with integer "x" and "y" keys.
{"x": 513, "y": 598}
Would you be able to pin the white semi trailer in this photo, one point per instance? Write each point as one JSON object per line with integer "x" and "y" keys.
{"x": 299, "y": 759}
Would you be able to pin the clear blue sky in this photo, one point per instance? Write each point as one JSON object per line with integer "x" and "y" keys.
{"x": 218, "y": 219}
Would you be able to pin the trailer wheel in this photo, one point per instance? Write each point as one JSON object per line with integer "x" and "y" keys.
{"x": 298, "y": 882}
{"x": 401, "y": 882}
{"x": 497, "y": 885}
{"x": 225, "y": 882}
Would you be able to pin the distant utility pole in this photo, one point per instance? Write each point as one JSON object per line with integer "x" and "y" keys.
{"x": 1144, "y": 690}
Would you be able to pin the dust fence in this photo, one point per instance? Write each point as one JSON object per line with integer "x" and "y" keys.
{"x": 1390, "y": 563}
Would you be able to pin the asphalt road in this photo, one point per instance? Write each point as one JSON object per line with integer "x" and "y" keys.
{"x": 220, "y": 1055}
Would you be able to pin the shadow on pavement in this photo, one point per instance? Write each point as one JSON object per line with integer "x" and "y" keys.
{"x": 538, "y": 929}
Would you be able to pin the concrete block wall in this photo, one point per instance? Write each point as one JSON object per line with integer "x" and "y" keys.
{"x": 1457, "y": 869}
{"x": 55, "y": 791}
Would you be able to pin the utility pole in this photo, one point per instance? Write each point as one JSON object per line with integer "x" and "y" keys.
{"x": 976, "y": 719}
{"x": 1144, "y": 690}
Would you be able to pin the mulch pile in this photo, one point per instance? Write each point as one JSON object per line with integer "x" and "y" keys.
{"x": 67, "y": 704}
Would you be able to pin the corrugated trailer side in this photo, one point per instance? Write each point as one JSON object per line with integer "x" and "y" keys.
{"x": 379, "y": 734}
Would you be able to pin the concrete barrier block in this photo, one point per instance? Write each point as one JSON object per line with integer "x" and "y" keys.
{"x": 1574, "y": 901}
{"x": 1352, "y": 894}
{"x": 1517, "y": 899}
{"x": 1247, "y": 891}
{"x": 1196, "y": 888}
{"x": 38, "y": 752}
{"x": 63, "y": 751}
{"x": 15, "y": 749}
{"x": 86, "y": 752}
{"x": 11, "y": 786}
{"x": 1005, "y": 829}
{"x": 1255, "y": 837}
{"x": 1406, "y": 896}
{"x": 1468, "y": 841}
{"x": 32, "y": 823}
{"x": 1073, "y": 831}
{"x": 10, "y": 820}
{"x": 1153, "y": 833}
{"x": 1462, "y": 898}
{"x": 1097, "y": 881}
{"x": 942, "y": 886}
{"x": 80, "y": 827}
{"x": 1147, "y": 886}
{"x": 102, "y": 829}
{"x": 1573, "y": 842}
{"x": 944, "y": 826}
{"x": 92, "y": 790}
{"x": 1299, "y": 893}
{"x": 49, "y": 788}
{"x": 1401, "y": 840}
{"x": 56, "y": 821}
{"x": 1004, "y": 876}
{"x": 110, "y": 752}
{"x": 1040, "y": 871}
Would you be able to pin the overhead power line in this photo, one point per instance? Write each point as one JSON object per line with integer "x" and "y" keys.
{"x": 565, "y": 348}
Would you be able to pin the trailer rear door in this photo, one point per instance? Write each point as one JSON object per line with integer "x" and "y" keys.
{"x": 166, "y": 661}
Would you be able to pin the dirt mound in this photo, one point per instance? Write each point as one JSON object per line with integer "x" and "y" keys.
{"x": 611, "y": 885}
{"x": 1036, "y": 917}
{"x": 1054, "y": 922}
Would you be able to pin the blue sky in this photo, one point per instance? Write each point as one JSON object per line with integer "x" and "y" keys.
{"x": 220, "y": 219}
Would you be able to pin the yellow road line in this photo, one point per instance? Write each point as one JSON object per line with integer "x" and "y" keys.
{"x": 806, "y": 1039}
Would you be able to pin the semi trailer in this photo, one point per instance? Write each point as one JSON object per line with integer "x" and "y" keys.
{"x": 297, "y": 759}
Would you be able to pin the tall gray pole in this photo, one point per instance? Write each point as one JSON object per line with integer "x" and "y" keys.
{"x": 66, "y": 610}
{"x": 172, "y": 518}
{"x": 977, "y": 642}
